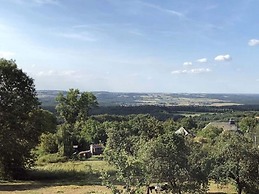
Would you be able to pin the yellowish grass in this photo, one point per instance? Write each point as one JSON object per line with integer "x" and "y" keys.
{"x": 49, "y": 188}
{"x": 215, "y": 188}
{"x": 78, "y": 184}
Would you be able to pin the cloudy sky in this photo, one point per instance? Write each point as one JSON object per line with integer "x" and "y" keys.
{"x": 209, "y": 46}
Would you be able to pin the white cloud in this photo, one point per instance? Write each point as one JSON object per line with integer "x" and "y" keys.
{"x": 223, "y": 58}
{"x": 192, "y": 71}
{"x": 6, "y": 54}
{"x": 202, "y": 60}
{"x": 187, "y": 63}
{"x": 78, "y": 36}
{"x": 253, "y": 42}
{"x": 200, "y": 70}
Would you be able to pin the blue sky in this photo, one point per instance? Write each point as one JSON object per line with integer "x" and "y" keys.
{"x": 208, "y": 46}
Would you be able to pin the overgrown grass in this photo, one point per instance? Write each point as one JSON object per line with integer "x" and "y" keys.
{"x": 50, "y": 158}
{"x": 79, "y": 172}
{"x": 221, "y": 189}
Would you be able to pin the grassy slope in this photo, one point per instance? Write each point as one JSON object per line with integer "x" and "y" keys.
{"x": 71, "y": 178}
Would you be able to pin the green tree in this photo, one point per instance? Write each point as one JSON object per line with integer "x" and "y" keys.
{"x": 200, "y": 163}
{"x": 248, "y": 124}
{"x": 121, "y": 151}
{"x": 92, "y": 131}
{"x": 48, "y": 144}
{"x": 19, "y": 112}
{"x": 75, "y": 106}
{"x": 166, "y": 159}
{"x": 189, "y": 123}
{"x": 210, "y": 133}
{"x": 236, "y": 160}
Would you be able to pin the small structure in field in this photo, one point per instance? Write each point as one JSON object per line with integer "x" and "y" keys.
{"x": 96, "y": 149}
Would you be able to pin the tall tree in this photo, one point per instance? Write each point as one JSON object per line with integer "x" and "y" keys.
{"x": 18, "y": 114}
{"x": 236, "y": 161}
{"x": 75, "y": 106}
{"x": 167, "y": 159}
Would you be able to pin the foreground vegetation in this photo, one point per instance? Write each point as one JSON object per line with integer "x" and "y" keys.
{"x": 181, "y": 154}
{"x": 77, "y": 177}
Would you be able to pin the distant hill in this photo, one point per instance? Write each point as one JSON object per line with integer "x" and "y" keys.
{"x": 47, "y": 98}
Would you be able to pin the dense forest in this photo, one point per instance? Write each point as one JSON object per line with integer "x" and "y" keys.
{"x": 171, "y": 145}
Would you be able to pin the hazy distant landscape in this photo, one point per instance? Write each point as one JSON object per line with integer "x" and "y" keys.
{"x": 47, "y": 97}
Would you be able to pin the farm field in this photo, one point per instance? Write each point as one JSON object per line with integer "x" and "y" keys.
{"x": 79, "y": 177}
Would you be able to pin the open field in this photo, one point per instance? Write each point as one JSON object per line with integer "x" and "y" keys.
{"x": 78, "y": 177}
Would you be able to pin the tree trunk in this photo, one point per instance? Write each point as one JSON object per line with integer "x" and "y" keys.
{"x": 240, "y": 188}
{"x": 147, "y": 190}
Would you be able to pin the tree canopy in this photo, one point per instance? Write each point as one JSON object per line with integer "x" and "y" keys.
{"x": 20, "y": 126}
{"x": 236, "y": 160}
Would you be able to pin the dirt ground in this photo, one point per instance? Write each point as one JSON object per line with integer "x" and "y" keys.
{"x": 41, "y": 188}
{"x": 66, "y": 188}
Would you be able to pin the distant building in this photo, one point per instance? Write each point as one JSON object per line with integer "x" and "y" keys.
{"x": 182, "y": 131}
{"x": 96, "y": 149}
{"x": 226, "y": 126}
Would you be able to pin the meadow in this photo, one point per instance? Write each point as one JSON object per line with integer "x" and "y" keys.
{"x": 73, "y": 177}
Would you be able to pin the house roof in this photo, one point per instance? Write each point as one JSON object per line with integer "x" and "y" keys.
{"x": 182, "y": 131}
{"x": 226, "y": 126}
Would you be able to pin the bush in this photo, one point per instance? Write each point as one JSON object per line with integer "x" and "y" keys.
{"x": 51, "y": 158}
{"x": 48, "y": 143}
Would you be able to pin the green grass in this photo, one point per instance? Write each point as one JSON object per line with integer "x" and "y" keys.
{"x": 78, "y": 172}
{"x": 77, "y": 177}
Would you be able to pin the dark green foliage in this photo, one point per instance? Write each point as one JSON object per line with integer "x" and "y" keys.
{"x": 210, "y": 133}
{"x": 248, "y": 124}
{"x": 48, "y": 143}
{"x": 201, "y": 164}
{"x": 236, "y": 160}
{"x": 189, "y": 123}
{"x": 75, "y": 106}
{"x": 92, "y": 131}
{"x": 19, "y": 116}
{"x": 145, "y": 151}
{"x": 74, "y": 110}
{"x": 166, "y": 160}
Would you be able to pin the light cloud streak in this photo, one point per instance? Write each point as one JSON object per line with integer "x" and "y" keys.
{"x": 222, "y": 58}
{"x": 158, "y": 8}
{"x": 192, "y": 71}
{"x": 78, "y": 36}
{"x": 50, "y": 73}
